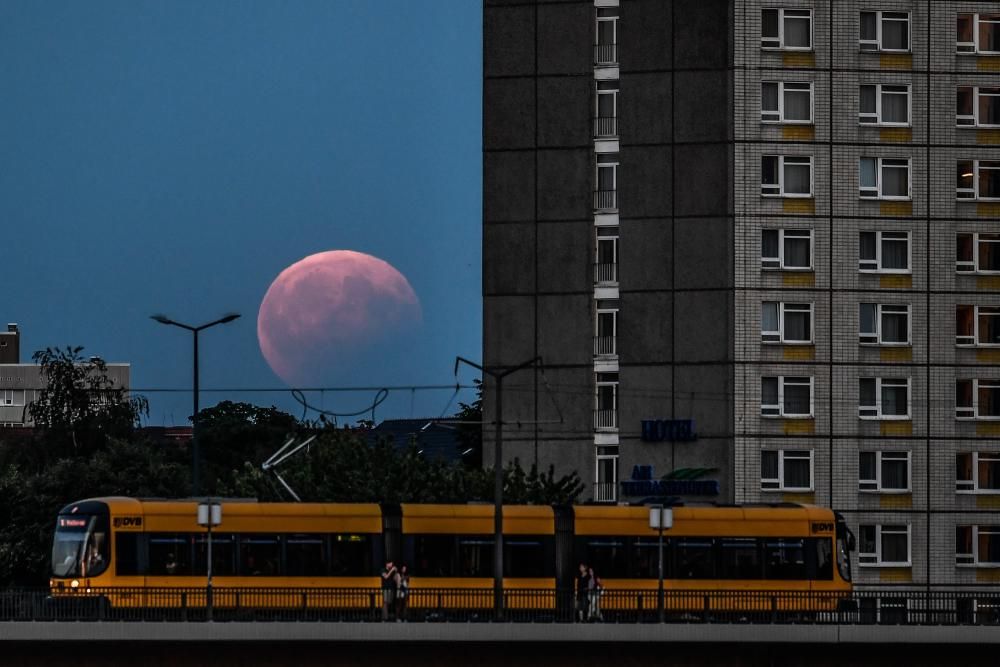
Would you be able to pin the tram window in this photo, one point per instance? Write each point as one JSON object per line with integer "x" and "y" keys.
{"x": 784, "y": 558}
{"x": 824, "y": 558}
{"x": 127, "y": 554}
{"x": 169, "y": 554}
{"x": 694, "y": 558}
{"x": 646, "y": 559}
{"x": 350, "y": 555}
{"x": 223, "y": 555}
{"x": 433, "y": 555}
{"x": 739, "y": 558}
{"x": 475, "y": 557}
{"x": 260, "y": 555}
{"x": 606, "y": 555}
{"x": 524, "y": 557}
{"x": 305, "y": 556}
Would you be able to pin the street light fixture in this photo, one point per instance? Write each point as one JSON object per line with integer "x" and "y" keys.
{"x": 225, "y": 319}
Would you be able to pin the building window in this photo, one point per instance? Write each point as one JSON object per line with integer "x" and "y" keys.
{"x": 977, "y": 399}
{"x": 786, "y": 176}
{"x": 884, "y": 105}
{"x": 884, "y": 252}
{"x": 977, "y": 472}
{"x": 606, "y": 195}
{"x": 977, "y": 253}
{"x": 13, "y": 397}
{"x": 606, "y": 49}
{"x": 606, "y": 412}
{"x": 884, "y": 178}
{"x": 977, "y": 325}
{"x": 977, "y": 546}
{"x": 885, "y": 31}
{"x": 786, "y": 102}
{"x": 883, "y": 324}
{"x": 606, "y": 268}
{"x": 884, "y": 472}
{"x": 788, "y": 29}
{"x": 977, "y": 107}
{"x": 786, "y": 249}
{"x": 978, "y": 179}
{"x": 884, "y": 398}
{"x": 786, "y": 396}
{"x": 786, "y": 470}
{"x": 978, "y": 33}
{"x": 607, "y": 327}
{"x": 789, "y": 323}
{"x": 884, "y": 545}
{"x": 606, "y": 120}
{"x": 606, "y": 475}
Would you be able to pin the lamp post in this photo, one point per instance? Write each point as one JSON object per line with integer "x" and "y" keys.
{"x": 498, "y": 374}
{"x": 660, "y": 518}
{"x": 225, "y": 319}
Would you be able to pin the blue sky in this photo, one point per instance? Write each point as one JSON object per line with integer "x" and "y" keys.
{"x": 175, "y": 156}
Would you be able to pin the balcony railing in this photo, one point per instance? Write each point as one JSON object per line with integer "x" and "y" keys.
{"x": 606, "y": 273}
{"x": 605, "y": 127}
{"x": 606, "y": 492}
{"x": 604, "y": 345}
{"x": 605, "y": 200}
{"x": 605, "y": 54}
{"x": 605, "y": 419}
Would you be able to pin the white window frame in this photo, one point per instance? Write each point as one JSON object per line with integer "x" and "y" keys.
{"x": 613, "y": 313}
{"x": 972, "y": 48}
{"x": 778, "y": 189}
{"x": 974, "y": 559}
{"x": 779, "y": 483}
{"x": 876, "y": 46}
{"x": 606, "y": 236}
{"x": 778, "y": 263}
{"x": 973, "y": 193}
{"x": 875, "y": 559}
{"x": 881, "y": 163}
{"x": 868, "y": 118}
{"x": 973, "y": 340}
{"x": 974, "y": 485}
{"x": 973, "y": 121}
{"x": 777, "y": 43}
{"x": 613, "y": 384}
{"x": 874, "y": 412}
{"x": 768, "y": 411}
{"x": 875, "y": 265}
{"x": 972, "y": 266}
{"x": 876, "y": 485}
{"x": 776, "y": 116}
{"x": 602, "y": 454}
{"x": 882, "y": 309}
{"x": 778, "y": 337}
{"x": 965, "y": 412}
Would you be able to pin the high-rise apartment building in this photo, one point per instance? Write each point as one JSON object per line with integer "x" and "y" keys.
{"x": 756, "y": 244}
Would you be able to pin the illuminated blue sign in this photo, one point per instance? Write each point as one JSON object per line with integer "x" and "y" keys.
{"x": 680, "y": 482}
{"x": 668, "y": 430}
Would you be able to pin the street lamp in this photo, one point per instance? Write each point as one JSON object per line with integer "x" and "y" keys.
{"x": 225, "y": 319}
{"x": 661, "y": 518}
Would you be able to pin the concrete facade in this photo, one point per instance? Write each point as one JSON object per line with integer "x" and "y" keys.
{"x": 692, "y": 220}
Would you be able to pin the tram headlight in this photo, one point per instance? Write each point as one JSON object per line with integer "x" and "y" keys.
{"x": 75, "y": 583}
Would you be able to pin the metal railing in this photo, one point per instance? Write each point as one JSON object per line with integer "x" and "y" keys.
{"x": 605, "y": 54}
{"x": 605, "y": 492}
{"x": 605, "y": 127}
{"x": 605, "y": 419}
{"x": 886, "y": 606}
{"x": 604, "y": 345}
{"x": 606, "y": 273}
{"x": 605, "y": 200}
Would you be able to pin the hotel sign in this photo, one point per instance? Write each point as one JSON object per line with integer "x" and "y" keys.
{"x": 668, "y": 430}
{"x": 680, "y": 482}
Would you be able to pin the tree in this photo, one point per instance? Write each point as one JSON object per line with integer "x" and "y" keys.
{"x": 470, "y": 427}
{"x": 79, "y": 403}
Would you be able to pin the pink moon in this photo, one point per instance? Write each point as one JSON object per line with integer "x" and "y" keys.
{"x": 327, "y": 311}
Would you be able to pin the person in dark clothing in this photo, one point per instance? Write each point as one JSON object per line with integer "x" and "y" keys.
{"x": 390, "y": 580}
{"x": 582, "y": 592}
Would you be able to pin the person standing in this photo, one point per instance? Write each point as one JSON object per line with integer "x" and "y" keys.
{"x": 389, "y": 575}
{"x": 402, "y": 592}
{"x": 594, "y": 589}
{"x": 582, "y": 592}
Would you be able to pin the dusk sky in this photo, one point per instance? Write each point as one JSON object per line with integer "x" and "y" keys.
{"x": 175, "y": 157}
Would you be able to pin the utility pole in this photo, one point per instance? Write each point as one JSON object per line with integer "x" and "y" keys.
{"x": 498, "y": 373}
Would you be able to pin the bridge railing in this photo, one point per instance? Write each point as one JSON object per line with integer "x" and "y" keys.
{"x": 894, "y": 606}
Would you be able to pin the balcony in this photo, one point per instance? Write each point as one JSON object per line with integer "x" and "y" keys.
{"x": 605, "y": 54}
{"x": 606, "y": 273}
{"x": 604, "y": 345}
{"x": 605, "y": 420}
{"x": 606, "y": 127}
{"x": 606, "y": 492}
{"x": 605, "y": 200}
